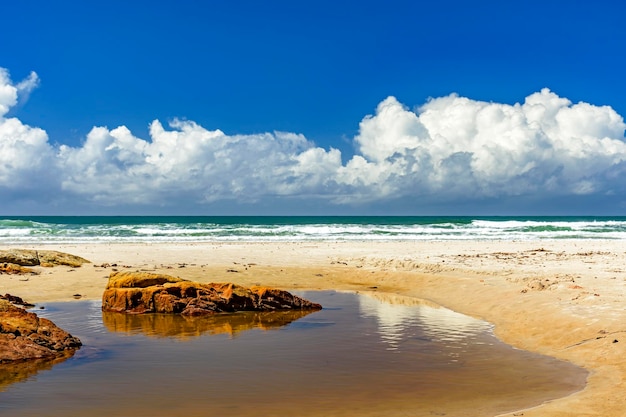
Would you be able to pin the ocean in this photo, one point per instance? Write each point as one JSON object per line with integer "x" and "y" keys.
{"x": 106, "y": 229}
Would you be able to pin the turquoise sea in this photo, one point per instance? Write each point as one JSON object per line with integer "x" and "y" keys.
{"x": 94, "y": 229}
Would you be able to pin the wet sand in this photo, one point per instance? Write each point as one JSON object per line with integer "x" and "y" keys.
{"x": 565, "y": 299}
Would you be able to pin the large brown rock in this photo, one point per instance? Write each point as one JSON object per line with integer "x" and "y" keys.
{"x": 27, "y": 257}
{"x": 25, "y": 336}
{"x": 141, "y": 292}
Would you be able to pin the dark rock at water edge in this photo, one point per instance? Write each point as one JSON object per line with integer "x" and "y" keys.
{"x": 141, "y": 292}
{"x": 15, "y": 300}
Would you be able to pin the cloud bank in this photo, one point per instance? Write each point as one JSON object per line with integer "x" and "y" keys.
{"x": 451, "y": 150}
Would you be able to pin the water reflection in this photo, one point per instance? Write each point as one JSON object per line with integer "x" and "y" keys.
{"x": 400, "y": 318}
{"x": 13, "y": 372}
{"x": 175, "y": 325}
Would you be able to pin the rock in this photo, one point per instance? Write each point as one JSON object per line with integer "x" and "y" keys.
{"x": 13, "y": 299}
{"x": 53, "y": 258}
{"x": 21, "y": 257}
{"x": 47, "y": 258}
{"x": 24, "y": 336}
{"x": 142, "y": 292}
{"x": 15, "y": 269}
{"x": 139, "y": 279}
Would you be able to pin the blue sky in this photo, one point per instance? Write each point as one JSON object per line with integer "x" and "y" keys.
{"x": 321, "y": 74}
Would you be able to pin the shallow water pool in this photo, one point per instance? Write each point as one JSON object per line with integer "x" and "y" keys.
{"x": 362, "y": 355}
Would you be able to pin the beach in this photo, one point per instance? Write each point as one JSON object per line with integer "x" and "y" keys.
{"x": 562, "y": 298}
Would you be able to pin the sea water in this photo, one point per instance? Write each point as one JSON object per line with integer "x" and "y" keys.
{"x": 86, "y": 229}
{"x": 364, "y": 354}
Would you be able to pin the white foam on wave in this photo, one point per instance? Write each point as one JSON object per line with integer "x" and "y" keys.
{"x": 478, "y": 229}
{"x": 8, "y": 232}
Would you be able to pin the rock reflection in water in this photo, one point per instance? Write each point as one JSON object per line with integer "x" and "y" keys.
{"x": 175, "y": 325}
{"x": 12, "y": 372}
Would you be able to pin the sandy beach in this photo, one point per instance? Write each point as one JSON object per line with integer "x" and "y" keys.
{"x": 560, "y": 298}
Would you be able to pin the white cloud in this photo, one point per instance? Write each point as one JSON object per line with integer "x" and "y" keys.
{"x": 26, "y": 86}
{"x": 8, "y": 92}
{"x": 25, "y": 154}
{"x": 459, "y": 147}
{"x": 450, "y": 149}
{"x": 190, "y": 162}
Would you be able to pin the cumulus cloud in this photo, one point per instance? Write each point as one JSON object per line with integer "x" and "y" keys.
{"x": 192, "y": 163}
{"x": 450, "y": 149}
{"x": 26, "y": 158}
{"x": 460, "y": 147}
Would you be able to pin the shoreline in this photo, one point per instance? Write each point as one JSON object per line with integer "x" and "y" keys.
{"x": 562, "y": 298}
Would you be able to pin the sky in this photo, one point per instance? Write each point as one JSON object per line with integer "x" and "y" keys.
{"x": 304, "y": 108}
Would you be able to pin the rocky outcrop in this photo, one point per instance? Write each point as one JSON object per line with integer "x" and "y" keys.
{"x": 24, "y": 336}
{"x": 140, "y": 292}
{"x": 23, "y": 257}
{"x": 47, "y": 258}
